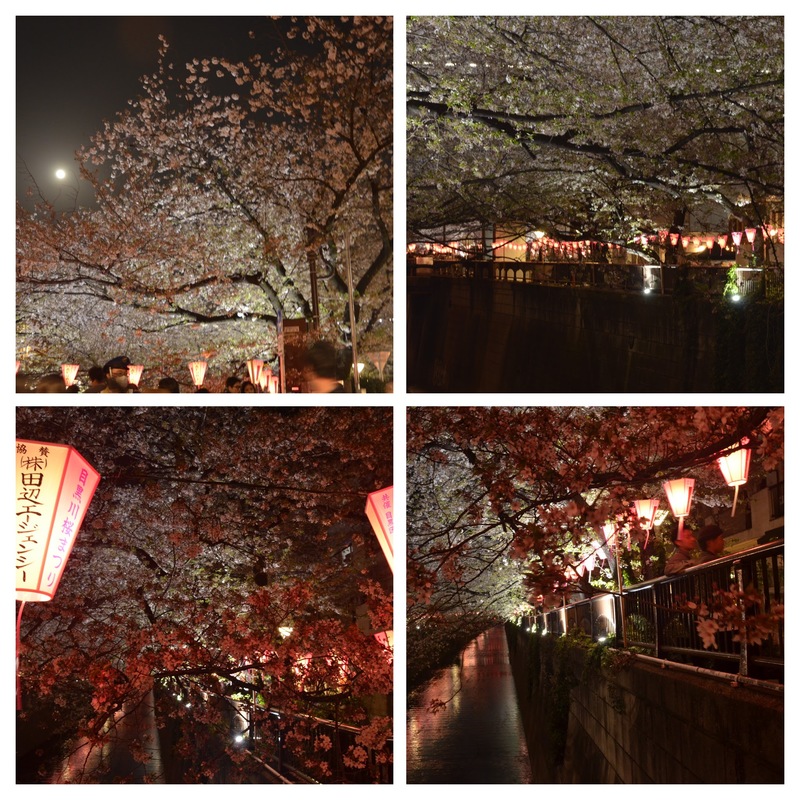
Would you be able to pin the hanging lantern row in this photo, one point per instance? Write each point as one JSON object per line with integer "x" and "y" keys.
{"x": 710, "y": 239}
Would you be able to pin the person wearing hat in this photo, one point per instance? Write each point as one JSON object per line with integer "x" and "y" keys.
{"x": 712, "y": 543}
{"x": 116, "y": 372}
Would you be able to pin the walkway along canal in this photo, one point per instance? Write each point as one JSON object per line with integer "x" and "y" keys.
{"x": 477, "y": 736}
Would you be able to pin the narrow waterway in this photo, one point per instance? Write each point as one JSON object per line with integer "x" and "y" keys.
{"x": 477, "y": 736}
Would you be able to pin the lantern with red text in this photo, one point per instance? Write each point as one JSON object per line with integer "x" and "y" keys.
{"x": 735, "y": 468}
{"x": 198, "y": 370}
{"x": 55, "y": 485}
{"x": 135, "y": 373}
{"x": 380, "y": 513}
{"x": 68, "y": 372}
{"x": 679, "y": 494}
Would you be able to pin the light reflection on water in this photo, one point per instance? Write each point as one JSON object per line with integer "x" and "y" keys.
{"x": 478, "y": 736}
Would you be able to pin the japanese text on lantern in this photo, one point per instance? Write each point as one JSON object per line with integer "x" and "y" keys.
{"x": 55, "y": 485}
{"x": 381, "y": 516}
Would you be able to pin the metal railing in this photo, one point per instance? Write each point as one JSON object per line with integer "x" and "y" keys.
{"x": 652, "y": 278}
{"x": 657, "y": 618}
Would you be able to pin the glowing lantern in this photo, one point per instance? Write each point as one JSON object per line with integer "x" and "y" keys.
{"x": 709, "y": 242}
{"x": 610, "y": 532}
{"x": 646, "y": 510}
{"x": 735, "y": 467}
{"x": 68, "y": 372}
{"x": 135, "y": 373}
{"x": 254, "y": 366}
{"x": 380, "y": 513}
{"x": 385, "y": 639}
{"x": 751, "y": 234}
{"x": 673, "y": 238}
{"x": 263, "y": 378}
{"x": 198, "y": 370}
{"x": 685, "y": 241}
{"x": 737, "y": 237}
{"x": 723, "y": 240}
{"x": 662, "y": 236}
{"x": 55, "y": 485}
{"x": 679, "y": 493}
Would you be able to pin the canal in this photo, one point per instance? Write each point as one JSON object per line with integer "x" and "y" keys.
{"x": 476, "y": 736}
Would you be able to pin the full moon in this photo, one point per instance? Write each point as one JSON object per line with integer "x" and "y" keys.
{"x": 61, "y": 174}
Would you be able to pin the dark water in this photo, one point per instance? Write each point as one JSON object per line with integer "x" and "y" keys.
{"x": 478, "y": 736}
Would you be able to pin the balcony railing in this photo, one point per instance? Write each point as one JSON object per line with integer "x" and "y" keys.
{"x": 657, "y": 618}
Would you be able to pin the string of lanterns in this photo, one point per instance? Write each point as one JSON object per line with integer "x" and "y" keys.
{"x": 539, "y": 243}
{"x": 734, "y": 464}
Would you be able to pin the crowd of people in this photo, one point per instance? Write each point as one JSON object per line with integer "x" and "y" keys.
{"x": 320, "y": 375}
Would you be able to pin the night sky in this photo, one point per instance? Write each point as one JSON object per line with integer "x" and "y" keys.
{"x": 74, "y": 72}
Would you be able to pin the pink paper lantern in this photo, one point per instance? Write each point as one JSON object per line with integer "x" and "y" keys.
{"x": 68, "y": 372}
{"x": 135, "y": 373}
{"x": 198, "y": 370}
{"x": 751, "y": 234}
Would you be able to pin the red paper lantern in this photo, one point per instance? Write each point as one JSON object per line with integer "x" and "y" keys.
{"x": 380, "y": 513}
{"x": 679, "y": 494}
{"x": 723, "y": 240}
{"x": 68, "y": 372}
{"x": 646, "y": 510}
{"x": 673, "y": 238}
{"x": 737, "y": 237}
{"x": 135, "y": 373}
{"x": 709, "y": 242}
{"x": 735, "y": 467}
{"x": 198, "y": 370}
{"x": 751, "y": 234}
{"x": 55, "y": 485}
{"x": 254, "y": 366}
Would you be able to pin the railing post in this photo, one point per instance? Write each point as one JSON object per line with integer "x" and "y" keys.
{"x": 657, "y": 632}
{"x": 744, "y": 647}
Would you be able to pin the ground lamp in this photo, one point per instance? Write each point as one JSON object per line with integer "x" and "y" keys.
{"x": 679, "y": 494}
{"x": 198, "y": 370}
{"x": 68, "y": 372}
{"x": 55, "y": 485}
{"x": 381, "y": 516}
{"x": 135, "y": 373}
{"x": 646, "y": 510}
{"x": 735, "y": 467}
{"x": 254, "y": 367}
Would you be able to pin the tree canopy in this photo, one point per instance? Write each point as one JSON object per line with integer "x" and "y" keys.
{"x": 226, "y": 560}
{"x": 230, "y": 193}
{"x": 593, "y": 126}
{"x": 506, "y": 504}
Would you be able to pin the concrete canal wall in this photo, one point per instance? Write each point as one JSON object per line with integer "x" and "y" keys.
{"x": 468, "y": 335}
{"x": 592, "y": 717}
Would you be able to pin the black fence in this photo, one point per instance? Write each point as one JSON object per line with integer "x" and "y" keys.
{"x": 661, "y": 616}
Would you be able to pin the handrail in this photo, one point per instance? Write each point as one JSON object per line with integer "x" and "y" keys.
{"x": 657, "y": 617}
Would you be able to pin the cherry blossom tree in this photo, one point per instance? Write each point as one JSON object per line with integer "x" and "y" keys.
{"x": 596, "y": 126}
{"x": 230, "y": 195}
{"x": 506, "y": 505}
{"x": 227, "y": 566}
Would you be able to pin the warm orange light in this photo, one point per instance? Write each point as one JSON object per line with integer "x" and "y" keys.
{"x": 610, "y": 532}
{"x": 646, "y": 509}
{"x": 737, "y": 237}
{"x": 380, "y": 513}
{"x": 68, "y": 372}
{"x": 751, "y": 234}
{"x": 254, "y": 367}
{"x": 273, "y": 384}
{"x": 198, "y": 370}
{"x": 679, "y": 493}
{"x": 735, "y": 467}
{"x": 55, "y": 485}
{"x": 135, "y": 373}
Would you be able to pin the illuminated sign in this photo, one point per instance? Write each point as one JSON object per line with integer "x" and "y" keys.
{"x": 381, "y": 516}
